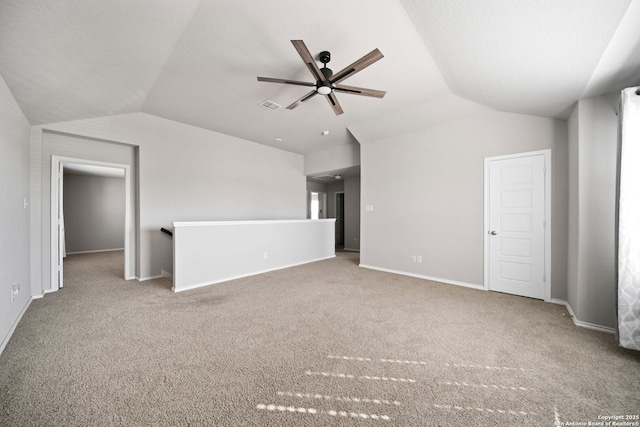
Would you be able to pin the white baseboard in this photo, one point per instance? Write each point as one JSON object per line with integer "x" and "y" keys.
{"x": 351, "y": 250}
{"x": 166, "y": 274}
{"x": 421, "y": 276}
{"x": 6, "y": 339}
{"x": 96, "y": 251}
{"x": 580, "y": 323}
{"x": 144, "y": 279}
{"x": 576, "y": 321}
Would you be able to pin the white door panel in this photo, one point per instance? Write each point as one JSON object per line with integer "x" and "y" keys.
{"x": 516, "y": 247}
{"x": 516, "y": 226}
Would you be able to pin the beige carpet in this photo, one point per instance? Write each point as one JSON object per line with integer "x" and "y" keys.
{"x": 327, "y": 343}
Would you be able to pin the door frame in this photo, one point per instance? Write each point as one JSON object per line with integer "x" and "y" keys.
{"x": 56, "y": 163}
{"x": 547, "y": 215}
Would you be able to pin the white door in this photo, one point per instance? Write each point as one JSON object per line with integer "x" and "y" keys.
{"x": 517, "y": 226}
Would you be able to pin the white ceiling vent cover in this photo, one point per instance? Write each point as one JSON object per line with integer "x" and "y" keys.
{"x": 270, "y": 105}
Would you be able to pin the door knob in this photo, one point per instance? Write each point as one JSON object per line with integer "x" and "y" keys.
{"x": 493, "y": 232}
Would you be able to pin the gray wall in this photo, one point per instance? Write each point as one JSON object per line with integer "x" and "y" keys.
{"x": 350, "y": 186}
{"x": 189, "y": 174}
{"x": 14, "y": 215}
{"x": 352, "y": 213}
{"x": 316, "y": 187}
{"x": 94, "y": 211}
{"x": 427, "y": 190}
{"x": 593, "y": 162}
{"x": 331, "y": 159}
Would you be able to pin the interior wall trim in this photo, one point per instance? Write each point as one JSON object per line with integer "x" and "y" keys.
{"x": 96, "y": 251}
{"x": 580, "y": 323}
{"x": 421, "y": 276}
{"x": 6, "y": 339}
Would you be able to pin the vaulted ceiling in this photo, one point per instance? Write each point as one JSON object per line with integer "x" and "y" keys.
{"x": 196, "y": 61}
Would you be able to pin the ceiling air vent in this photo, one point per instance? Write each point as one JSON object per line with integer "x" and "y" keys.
{"x": 270, "y": 105}
{"x": 325, "y": 178}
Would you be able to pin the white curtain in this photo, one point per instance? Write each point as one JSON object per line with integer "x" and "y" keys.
{"x": 628, "y": 307}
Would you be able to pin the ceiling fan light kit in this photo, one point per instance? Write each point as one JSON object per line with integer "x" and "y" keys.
{"x": 324, "y": 89}
{"x": 326, "y": 81}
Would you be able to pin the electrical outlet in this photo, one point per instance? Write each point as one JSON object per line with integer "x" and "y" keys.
{"x": 15, "y": 290}
{"x": 419, "y": 258}
{"x": 266, "y": 255}
{"x": 413, "y": 258}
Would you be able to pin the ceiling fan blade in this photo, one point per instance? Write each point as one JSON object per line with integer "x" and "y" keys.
{"x": 359, "y": 65}
{"x": 284, "y": 81}
{"x": 360, "y": 91}
{"x": 335, "y": 105}
{"x": 304, "y": 98}
{"x": 308, "y": 59}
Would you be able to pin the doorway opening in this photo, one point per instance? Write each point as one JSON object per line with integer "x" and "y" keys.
{"x": 339, "y": 215}
{"x": 317, "y": 205}
{"x": 58, "y": 235}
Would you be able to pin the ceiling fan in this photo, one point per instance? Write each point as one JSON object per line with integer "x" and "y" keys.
{"x": 327, "y": 83}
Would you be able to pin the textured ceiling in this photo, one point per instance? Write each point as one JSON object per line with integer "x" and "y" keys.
{"x": 210, "y": 79}
{"x": 533, "y": 57}
{"x": 76, "y": 59}
{"x": 196, "y": 61}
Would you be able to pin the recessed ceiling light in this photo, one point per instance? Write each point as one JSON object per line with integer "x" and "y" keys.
{"x": 325, "y": 133}
{"x": 277, "y": 139}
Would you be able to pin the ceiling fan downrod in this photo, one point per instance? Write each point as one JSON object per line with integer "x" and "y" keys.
{"x": 325, "y": 87}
